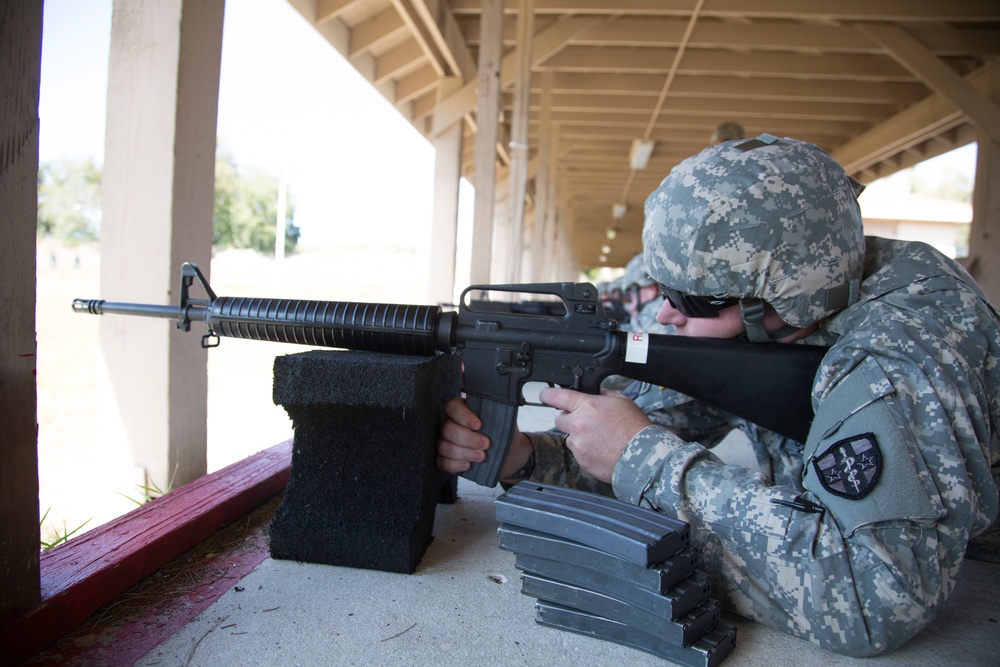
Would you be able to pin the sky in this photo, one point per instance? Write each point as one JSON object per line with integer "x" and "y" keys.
{"x": 349, "y": 159}
{"x": 961, "y": 159}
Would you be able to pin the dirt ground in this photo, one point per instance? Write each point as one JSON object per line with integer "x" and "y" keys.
{"x": 86, "y": 482}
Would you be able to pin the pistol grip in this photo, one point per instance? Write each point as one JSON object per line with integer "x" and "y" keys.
{"x": 499, "y": 420}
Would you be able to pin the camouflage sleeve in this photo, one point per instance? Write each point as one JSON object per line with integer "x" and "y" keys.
{"x": 688, "y": 418}
{"x": 691, "y": 419}
{"x": 786, "y": 568}
{"x": 555, "y": 464}
{"x": 860, "y": 560}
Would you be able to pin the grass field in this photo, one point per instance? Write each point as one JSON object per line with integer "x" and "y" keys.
{"x": 83, "y": 479}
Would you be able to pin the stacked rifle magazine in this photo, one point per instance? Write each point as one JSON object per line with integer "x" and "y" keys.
{"x": 600, "y": 567}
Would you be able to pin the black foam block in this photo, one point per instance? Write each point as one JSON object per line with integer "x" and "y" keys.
{"x": 364, "y": 484}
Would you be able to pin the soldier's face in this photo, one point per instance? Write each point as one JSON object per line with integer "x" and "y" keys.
{"x": 729, "y": 323}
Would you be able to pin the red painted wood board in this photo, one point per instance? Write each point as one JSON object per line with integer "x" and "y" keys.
{"x": 80, "y": 576}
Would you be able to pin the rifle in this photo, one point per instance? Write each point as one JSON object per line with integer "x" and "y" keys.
{"x": 770, "y": 385}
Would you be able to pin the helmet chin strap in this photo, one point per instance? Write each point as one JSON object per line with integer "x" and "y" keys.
{"x": 753, "y": 318}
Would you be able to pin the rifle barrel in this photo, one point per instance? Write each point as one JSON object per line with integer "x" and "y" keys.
{"x": 102, "y": 307}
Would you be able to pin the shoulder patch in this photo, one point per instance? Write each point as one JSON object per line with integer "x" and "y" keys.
{"x": 850, "y": 468}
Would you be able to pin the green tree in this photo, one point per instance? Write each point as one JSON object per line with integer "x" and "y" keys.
{"x": 69, "y": 200}
{"x": 952, "y": 184}
{"x": 246, "y": 208}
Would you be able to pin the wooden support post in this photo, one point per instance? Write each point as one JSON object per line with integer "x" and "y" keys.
{"x": 984, "y": 237}
{"x": 158, "y": 195}
{"x": 487, "y": 132}
{"x": 444, "y": 224}
{"x": 21, "y": 55}
{"x": 519, "y": 149}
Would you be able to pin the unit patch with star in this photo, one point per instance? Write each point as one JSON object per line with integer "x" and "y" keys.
{"x": 851, "y": 467}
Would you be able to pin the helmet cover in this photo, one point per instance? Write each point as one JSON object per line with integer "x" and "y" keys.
{"x": 635, "y": 273}
{"x": 767, "y": 218}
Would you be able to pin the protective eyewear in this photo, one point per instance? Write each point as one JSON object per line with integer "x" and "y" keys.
{"x": 690, "y": 305}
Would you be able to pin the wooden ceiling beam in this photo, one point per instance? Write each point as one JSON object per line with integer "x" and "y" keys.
{"x": 846, "y": 67}
{"x": 779, "y": 35}
{"x": 667, "y": 125}
{"x": 546, "y": 42}
{"x": 435, "y": 29}
{"x": 423, "y": 106}
{"x": 730, "y": 107}
{"x": 940, "y": 78}
{"x": 399, "y": 62}
{"x": 416, "y": 84}
{"x": 727, "y": 86}
{"x": 815, "y": 10}
{"x": 824, "y": 134}
{"x": 328, "y": 10}
{"x": 913, "y": 125}
{"x": 836, "y": 73}
{"x": 384, "y": 28}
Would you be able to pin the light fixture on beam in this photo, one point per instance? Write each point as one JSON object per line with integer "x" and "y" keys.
{"x": 606, "y": 249}
{"x": 612, "y": 233}
{"x": 618, "y": 210}
{"x": 638, "y": 157}
{"x": 603, "y": 259}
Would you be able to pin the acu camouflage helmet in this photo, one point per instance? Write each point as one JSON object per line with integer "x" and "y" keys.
{"x": 767, "y": 218}
{"x": 635, "y": 274}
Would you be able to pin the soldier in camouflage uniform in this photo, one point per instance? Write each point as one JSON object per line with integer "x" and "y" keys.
{"x": 642, "y": 297}
{"x": 643, "y": 302}
{"x": 852, "y": 539}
